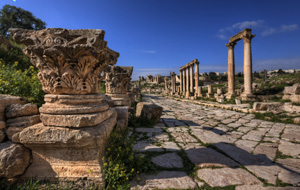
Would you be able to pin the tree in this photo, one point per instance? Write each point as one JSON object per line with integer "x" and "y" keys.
{"x": 212, "y": 76}
{"x": 15, "y": 17}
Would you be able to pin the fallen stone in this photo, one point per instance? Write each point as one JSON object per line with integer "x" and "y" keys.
{"x": 19, "y": 110}
{"x": 226, "y": 176}
{"x": 149, "y": 111}
{"x": 169, "y": 160}
{"x": 163, "y": 180}
{"x": 10, "y": 131}
{"x": 122, "y": 119}
{"x": 24, "y": 121}
{"x": 7, "y": 100}
{"x": 2, "y": 135}
{"x": 14, "y": 159}
{"x": 2, "y": 125}
{"x": 267, "y": 106}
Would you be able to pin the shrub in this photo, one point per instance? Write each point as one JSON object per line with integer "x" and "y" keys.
{"x": 25, "y": 83}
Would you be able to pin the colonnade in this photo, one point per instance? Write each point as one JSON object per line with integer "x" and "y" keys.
{"x": 247, "y": 37}
{"x": 188, "y": 74}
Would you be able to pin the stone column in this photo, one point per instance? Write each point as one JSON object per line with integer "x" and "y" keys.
{"x": 247, "y": 67}
{"x": 173, "y": 83}
{"x": 209, "y": 91}
{"x": 197, "y": 78}
{"x": 76, "y": 119}
{"x": 187, "y": 93}
{"x": 181, "y": 82}
{"x": 231, "y": 70}
{"x": 192, "y": 78}
{"x": 139, "y": 81}
{"x": 199, "y": 91}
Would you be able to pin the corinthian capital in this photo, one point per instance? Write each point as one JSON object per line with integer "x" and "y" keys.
{"x": 248, "y": 37}
{"x": 69, "y": 61}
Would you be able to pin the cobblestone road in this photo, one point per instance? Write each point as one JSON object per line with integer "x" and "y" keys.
{"x": 227, "y": 148}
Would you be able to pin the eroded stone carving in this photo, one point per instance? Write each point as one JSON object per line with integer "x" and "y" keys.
{"x": 76, "y": 119}
{"x": 69, "y": 61}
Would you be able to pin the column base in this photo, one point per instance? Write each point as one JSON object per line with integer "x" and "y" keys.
{"x": 208, "y": 95}
{"x": 247, "y": 96}
{"x": 67, "y": 154}
{"x": 187, "y": 94}
{"x": 229, "y": 95}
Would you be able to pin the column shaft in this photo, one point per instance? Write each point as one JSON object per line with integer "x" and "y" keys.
{"x": 231, "y": 70}
{"x": 181, "y": 84}
{"x": 197, "y": 79}
{"x": 183, "y": 80}
{"x": 192, "y": 78}
{"x": 187, "y": 95}
{"x": 247, "y": 66}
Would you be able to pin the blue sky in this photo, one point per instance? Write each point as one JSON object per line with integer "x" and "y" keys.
{"x": 159, "y": 36}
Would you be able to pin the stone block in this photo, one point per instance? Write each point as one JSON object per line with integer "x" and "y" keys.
{"x": 291, "y": 90}
{"x": 24, "y": 121}
{"x": 7, "y": 100}
{"x": 14, "y": 159}
{"x": 267, "y": 106}
{"x": 149, "y": 111}
{"x": 122, "y": 119}
{"x": 68, "y": 153}
{"x": 19, "y": 110}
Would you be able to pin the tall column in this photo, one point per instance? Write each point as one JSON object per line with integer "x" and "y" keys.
{"x": 197, "y": 78}
{"x": 187, "y": 93}
{"x": 192, "y": 78}
{"x": 231, "y": 70}
{"x": 183, "y": 81}
{"x": 247, "y": 66}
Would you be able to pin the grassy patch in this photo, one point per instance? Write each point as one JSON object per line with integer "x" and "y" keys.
{"x": 280, "y": 155}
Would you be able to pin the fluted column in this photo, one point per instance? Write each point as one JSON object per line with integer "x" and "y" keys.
{"x": 192, "y": 78}
{"x": 231, "y": 70}
{"x": 247, "y": 66}
{"x": 197, "y": 78}
{"x": 187, "y": 93}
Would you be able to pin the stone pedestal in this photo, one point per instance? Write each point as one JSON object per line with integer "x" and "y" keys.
{"x": 209, "y": 93}
{"x": 76, "y": 119}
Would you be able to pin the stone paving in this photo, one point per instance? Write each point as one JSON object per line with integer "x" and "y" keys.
{"x": 226, "y": 148}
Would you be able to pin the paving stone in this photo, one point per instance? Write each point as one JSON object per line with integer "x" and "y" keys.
{"x": 268, "y": 172}
{"x": 246, "y": 144}
{"x": 254, "y": 135}
{"x": 227, "y": 121}
{"x": 170, "y": 146}
{"x": 260, "y": 187}
{"x": 148, "y": 130}
{"x": 289, "y": 177}
{"x": 244, "y": 129}
{"x": 268, "y": 149}
{"x": 226, "y": 176}
{"x": 271, "y": 139}
{"x": 168, "y": 160}
{"x": 164, "y": 180}
{"x": 145, "y": 146}
{"x": 208, "y": 157}
{"x": 290, "y": 149}
{"x": 183, "y": 137}
{"x": 290, "y": 164}
{"x": 234, "y": 125}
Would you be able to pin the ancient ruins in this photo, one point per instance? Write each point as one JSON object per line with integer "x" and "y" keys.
{"x": 76, "y": 118}
{"x": 247, "y": 37}
{"x": 187, "y": 77}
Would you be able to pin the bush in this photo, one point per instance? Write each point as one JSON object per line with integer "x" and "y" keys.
{"x": 25, "y": 83}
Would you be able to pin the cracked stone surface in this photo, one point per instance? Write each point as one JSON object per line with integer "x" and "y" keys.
{"x": 225, "y": 147}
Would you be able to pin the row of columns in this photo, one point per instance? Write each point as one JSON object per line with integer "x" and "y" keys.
{"x": 187, "y": 76}
{"x": 247, "y": 66}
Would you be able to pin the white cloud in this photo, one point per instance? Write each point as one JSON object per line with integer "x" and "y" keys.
{"x": 289, "y": 28}
{"x": 260, "y": 25}
{"x": 225, "y": 33}
{"x": 283, "y": 28}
